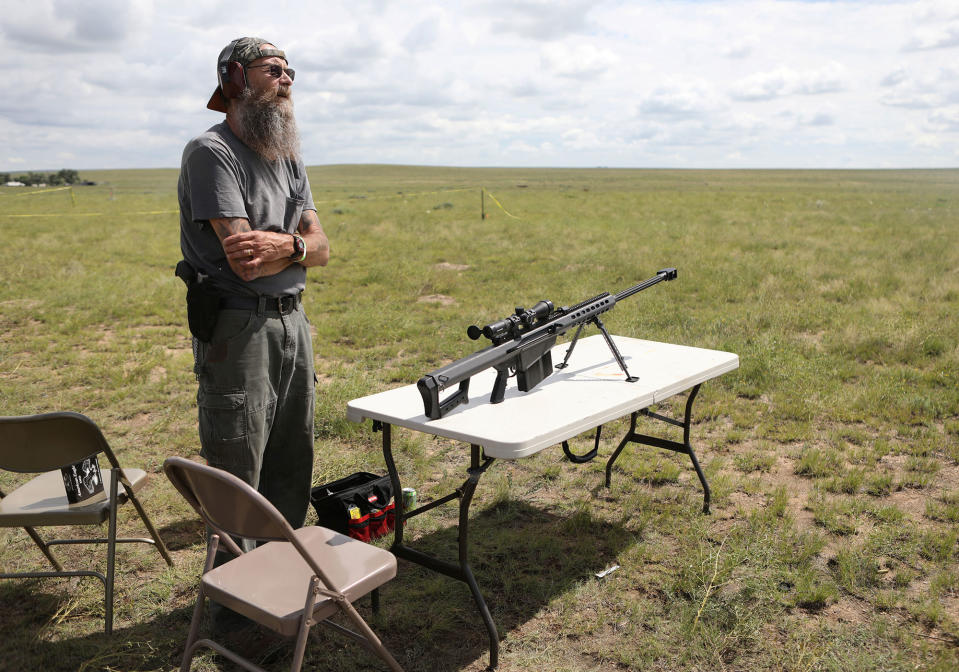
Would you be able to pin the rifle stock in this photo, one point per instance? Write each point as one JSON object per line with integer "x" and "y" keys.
{"x": 527, "y": 354}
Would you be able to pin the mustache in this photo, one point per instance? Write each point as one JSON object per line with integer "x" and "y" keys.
{"x": 266, "y": 97}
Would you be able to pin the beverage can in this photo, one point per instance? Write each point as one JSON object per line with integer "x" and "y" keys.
{"x": 409, "y": 499}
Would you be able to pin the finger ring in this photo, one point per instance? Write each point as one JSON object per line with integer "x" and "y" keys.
{"x": 250, "y": 253}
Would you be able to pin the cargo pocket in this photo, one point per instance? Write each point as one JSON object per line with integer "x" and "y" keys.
{"x": 224, "y": 440}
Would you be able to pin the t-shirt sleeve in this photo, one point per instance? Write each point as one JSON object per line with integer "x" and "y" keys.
{"x": 213, "y": 181}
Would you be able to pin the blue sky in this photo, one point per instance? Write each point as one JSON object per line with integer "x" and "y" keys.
{"x": 705, "y": 84}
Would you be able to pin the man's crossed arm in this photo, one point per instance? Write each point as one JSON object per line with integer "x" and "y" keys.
{"x": 258, "y": 254}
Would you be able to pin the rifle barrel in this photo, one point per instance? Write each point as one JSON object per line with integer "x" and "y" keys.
{"x": 665, "y": 274}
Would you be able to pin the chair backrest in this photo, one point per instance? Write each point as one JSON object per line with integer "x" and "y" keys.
{"x": 35, "y": 443}
{"x": 227, "y": 503}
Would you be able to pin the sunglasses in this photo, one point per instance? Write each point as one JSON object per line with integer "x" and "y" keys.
{"x": 275, "y": 71}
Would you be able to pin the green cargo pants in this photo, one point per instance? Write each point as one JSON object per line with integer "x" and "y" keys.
{"x": 255, "y": 403}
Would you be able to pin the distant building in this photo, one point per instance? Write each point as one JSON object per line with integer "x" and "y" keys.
{"x": 13, "y": 183}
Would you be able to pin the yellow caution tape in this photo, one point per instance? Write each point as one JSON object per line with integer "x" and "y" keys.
{"x": 92, "y": 214}
{"x": 33, "y": 192}
{"x": 173, "y": 212}
{"x": 403, "y": 195}
{"x": 501, "y": 205}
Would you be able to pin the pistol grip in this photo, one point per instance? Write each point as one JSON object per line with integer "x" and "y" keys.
{"x": 499, "y": 387}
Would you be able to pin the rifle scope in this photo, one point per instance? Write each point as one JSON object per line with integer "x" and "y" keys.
{"x": 513, "y": 326}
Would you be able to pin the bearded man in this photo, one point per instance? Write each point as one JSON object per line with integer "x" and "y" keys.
{"x": 248, "y": 232}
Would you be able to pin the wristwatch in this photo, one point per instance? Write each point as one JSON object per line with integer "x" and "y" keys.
{"x": 299, "y": 248}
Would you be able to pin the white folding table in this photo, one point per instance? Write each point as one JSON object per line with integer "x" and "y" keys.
{"x": 591, "y": 391}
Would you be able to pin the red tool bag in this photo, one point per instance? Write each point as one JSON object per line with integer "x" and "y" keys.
{"x": 359, "y": 505}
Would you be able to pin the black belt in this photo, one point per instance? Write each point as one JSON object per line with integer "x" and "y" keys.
{"x": 284, "y": 305}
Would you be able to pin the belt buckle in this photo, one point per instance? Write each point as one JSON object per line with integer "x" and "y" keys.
{"x": 286, "y": 304}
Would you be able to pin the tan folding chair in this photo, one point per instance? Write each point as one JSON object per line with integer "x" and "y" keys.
{"x": 41, "y": 443}
{"x": 300, "y": 578}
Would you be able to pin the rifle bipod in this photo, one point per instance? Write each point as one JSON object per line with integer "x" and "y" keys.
{"x": 609, "y": 341}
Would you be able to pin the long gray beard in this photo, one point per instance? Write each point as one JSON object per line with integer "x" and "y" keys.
{"x": 267, "y": 125}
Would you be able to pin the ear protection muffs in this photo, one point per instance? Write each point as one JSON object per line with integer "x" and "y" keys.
{"x": 232, "y": 78}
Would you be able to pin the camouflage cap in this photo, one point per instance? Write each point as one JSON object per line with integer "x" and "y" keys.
{"x": 244, "y": 51}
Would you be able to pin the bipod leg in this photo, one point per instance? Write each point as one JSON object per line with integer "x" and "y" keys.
{"x": 616, "y": 353}
{"x": 572, "y": 344}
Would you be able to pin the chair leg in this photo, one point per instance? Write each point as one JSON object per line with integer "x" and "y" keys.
{"x": 44, "y": 548}
{"x": 371, "y": 638}
{"x": 189, "y": 649}
{"x": 299, "y": 649}
{"x": 158, "y": 542}
{"x": 111, "y": 555}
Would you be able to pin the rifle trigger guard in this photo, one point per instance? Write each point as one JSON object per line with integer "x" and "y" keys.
{"x": 585, "y": 457}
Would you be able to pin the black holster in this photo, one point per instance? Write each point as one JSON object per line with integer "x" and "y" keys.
{"x": 202, "y": 301}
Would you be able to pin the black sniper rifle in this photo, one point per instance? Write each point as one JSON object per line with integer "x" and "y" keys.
{"x": 521, "y": 347}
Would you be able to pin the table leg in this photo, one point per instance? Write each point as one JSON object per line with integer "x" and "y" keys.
{"x": 475, "y": 471}
{"x": 462, "y": 570}
{"x": 684, "y": 447}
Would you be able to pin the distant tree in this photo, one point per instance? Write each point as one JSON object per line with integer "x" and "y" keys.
{"x": 67, "y": 176}
{"x": 32, "y": 178}
{"x": 64, "y": 176}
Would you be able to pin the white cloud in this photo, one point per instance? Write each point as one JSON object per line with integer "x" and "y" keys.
{"x": 578, "y": 61}
{"x": 740, "y": 48}
{"x": 687, "y": 83}
{"x": 938, "y": 37}
{"x": 927, "y": 90}
{"x": 64, "y": 26}
{"x": 944, "y": 119}
{"x": 898, "y": 76}
{"x": 818, "y": 118}
{"x": 786, "y": 81}
{"x": 536, "y": 19}
{"x": 680, "y": 101}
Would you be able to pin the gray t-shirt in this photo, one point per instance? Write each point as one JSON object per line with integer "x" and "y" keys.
{"x": 222, "y": 177}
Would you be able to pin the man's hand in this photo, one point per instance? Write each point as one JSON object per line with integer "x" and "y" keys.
{"x": 262, "y": 245}
{"x": 253, "y": 254}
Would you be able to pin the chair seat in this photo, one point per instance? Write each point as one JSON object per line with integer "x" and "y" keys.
{"x": 43, "y": 501}
{"x": 269, "y": 583}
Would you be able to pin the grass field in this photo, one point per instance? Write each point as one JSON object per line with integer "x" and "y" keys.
{"x": 833, "y": 452}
